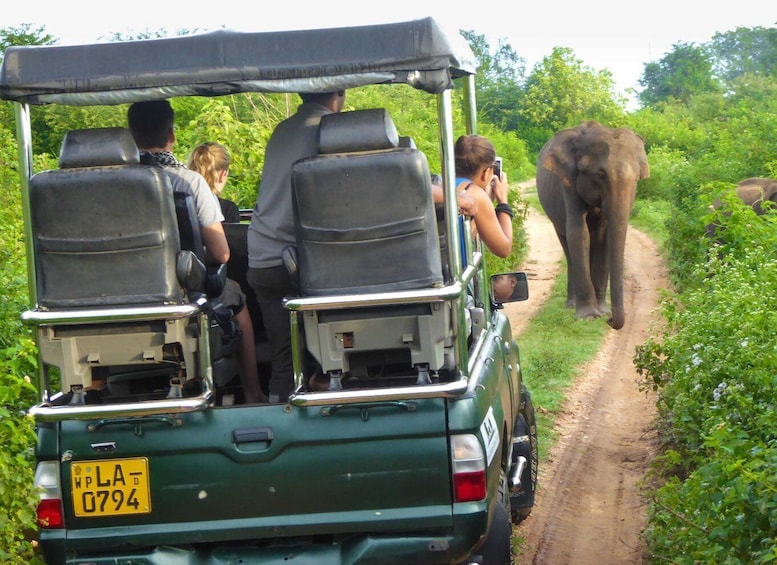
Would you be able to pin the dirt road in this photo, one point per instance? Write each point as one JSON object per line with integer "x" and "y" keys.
{"x": 588, "y": 508}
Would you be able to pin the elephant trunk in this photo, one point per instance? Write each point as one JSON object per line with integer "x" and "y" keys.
{"x": 616, "y": 243}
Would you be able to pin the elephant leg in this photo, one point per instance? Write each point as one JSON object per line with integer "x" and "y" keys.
{"x": 579, "y": 266}
{"x": 599, "y": 258}
{"x": 570, "y": 303}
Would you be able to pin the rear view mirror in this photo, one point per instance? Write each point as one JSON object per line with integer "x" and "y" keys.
{"x": 509, "y": 287}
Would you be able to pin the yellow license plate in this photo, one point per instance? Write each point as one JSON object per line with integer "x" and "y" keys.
{"x": 110, "y": 487}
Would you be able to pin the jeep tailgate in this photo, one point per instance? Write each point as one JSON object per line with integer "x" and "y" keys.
{"x": 256, "y": 472}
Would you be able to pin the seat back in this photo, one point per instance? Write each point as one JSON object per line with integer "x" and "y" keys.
{"x": 366, "y": 223}
{"x": 104, "y": 227}
{"x": 364, "y": 211}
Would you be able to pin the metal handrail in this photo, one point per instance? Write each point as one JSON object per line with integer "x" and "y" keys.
{"x": 45, "y": 412}
{"x": 112, "y": 314}
{"x": 453, "y": 389}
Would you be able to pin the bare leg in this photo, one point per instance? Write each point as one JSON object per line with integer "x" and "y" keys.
{"x": 249, "y": 375}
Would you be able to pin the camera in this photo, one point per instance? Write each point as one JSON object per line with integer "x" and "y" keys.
{"x": 498, "y": 167}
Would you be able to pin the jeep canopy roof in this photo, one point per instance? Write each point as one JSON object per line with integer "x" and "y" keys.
{"x": 418, "y": 53}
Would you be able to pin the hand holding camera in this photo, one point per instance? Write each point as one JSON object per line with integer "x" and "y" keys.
{"x": 498, "y": 185}
{"x": 498, "y": 168}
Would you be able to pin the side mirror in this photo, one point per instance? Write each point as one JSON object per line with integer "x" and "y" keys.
{"x": 509, "y": 287}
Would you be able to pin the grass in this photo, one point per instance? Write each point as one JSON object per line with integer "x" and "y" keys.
{"x": 554, "y": 347}
{"x": 649, "y": 216}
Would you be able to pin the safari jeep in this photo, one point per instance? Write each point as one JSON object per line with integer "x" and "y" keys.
{"x": 422, "y": 450}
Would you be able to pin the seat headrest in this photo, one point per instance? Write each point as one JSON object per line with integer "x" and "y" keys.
{"x": 98, "y": 147}
{"x": 360, "y": 130}
{"x": 405, "y": 141}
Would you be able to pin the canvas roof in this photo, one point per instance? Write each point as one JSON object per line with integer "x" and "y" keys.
{"x": 419, "y": 53}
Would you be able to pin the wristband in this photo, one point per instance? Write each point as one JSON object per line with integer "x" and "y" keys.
{"x": 505, "y": 208}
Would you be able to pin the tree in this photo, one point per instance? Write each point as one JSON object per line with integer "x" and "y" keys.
{"x": 684, "y": 71}
{"x": 23, "y": 35}
{"x": 500, "y": 77}
{"x": 562, "y": 92}
{"x": 744, "y": 51}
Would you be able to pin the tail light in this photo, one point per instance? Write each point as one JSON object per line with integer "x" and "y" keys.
{"x": 469, "y": 468}
{"x": 50, "y": 515}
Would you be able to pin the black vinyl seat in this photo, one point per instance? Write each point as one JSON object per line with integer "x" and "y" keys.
{"x": 100, "y": 219}
{"x": 364, "y": 212}
{"x": 107, "y": 247}
{"x": 366, "y": 224}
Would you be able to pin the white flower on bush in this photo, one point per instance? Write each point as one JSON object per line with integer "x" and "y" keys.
{"x": 695, "y": 360}
{"x": 719, "y": 391}
{"x": 744, "y": 343}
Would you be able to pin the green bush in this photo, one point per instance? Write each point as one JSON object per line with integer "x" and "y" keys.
{"x": 17, "y": 436}
{"x": 668, "y": 167}
{"x": 715, "y": 367}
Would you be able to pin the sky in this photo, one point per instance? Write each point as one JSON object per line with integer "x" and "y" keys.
{"x": 603, "y": 34}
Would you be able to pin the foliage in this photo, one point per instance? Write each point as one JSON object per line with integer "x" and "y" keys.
{"x": 703, "y": 147}
{"x": 13, "y": 269}
{"x": 51, "y": 123}
{"x": 17, "y": 436}
{"x": 243, "y": 124}
{"x": 667, "y": 168}
{"x": 25, "y": 34}
{"x": 745, "y": 51}
{"x": 650, "y": 216}
{"x": 684, "y": 71}
{"x": 714, "y": 366}
{"x": 561, "y": 92}
{"x": 500, "y": 77}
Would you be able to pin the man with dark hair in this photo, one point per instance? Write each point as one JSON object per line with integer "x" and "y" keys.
{"x": 152, "y": 127}
{"x": 272, "y": 228}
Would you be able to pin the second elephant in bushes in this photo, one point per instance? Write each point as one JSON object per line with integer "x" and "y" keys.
{"x": 753, "y": 192}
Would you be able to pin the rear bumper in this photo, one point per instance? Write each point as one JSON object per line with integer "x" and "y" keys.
{"x": 441, "y": 546}
{"x": 363, "y": 550}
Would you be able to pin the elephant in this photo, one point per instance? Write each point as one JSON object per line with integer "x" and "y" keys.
{"x": 752, "y": 192}
{"x": 587, "y": 182}
{"x": 755, "y": 190}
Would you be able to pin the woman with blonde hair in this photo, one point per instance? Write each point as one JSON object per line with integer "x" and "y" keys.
{"x": 212, "y": 160}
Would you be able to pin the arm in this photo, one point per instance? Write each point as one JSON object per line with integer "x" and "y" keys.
{"x": 467, "y": 205}
{"x": 495, "y": 230}
{"x": 215, "y": 242}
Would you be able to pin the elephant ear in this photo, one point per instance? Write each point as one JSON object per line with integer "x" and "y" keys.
{"x": 559, "y": 156}
{"x": 644, "y": 168}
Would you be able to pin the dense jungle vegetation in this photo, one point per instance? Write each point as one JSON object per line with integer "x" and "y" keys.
{"x": 708, "y": 115}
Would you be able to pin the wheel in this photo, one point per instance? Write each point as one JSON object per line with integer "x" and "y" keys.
{"x": 497, "y": 549}
{"x": 521, "y": 502}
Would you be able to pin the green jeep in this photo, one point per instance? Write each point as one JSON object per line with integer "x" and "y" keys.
{"x": 424, "y": 447}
